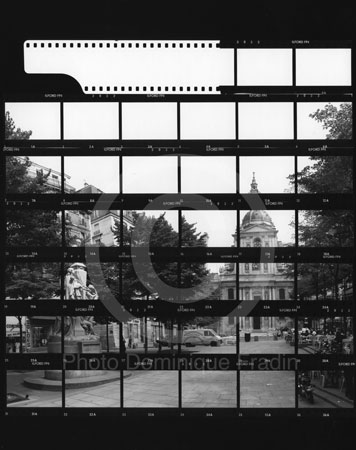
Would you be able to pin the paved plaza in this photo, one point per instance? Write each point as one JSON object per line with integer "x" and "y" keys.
{"x": 252, "y": 347}
{"x": 267, "y": 389}
{"x": 266, "y": 346}
{"x": 200, "y": 389}
{"x": 209, "y": 389}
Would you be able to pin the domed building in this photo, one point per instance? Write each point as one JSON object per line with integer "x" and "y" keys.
{"x": 257, "y": 281}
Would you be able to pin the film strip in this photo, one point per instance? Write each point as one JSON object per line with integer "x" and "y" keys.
{"x": 248, "y": 205}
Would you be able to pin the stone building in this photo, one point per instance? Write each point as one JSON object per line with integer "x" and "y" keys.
{"x": 257, "y": 281}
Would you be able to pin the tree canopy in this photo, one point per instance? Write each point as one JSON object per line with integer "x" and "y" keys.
{"x": 158, "y": 232}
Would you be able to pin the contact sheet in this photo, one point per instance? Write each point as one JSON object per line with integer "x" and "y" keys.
{"x": 179, "y": 230}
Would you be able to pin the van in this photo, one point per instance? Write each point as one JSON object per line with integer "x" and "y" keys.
{"x": 201, "y": 336}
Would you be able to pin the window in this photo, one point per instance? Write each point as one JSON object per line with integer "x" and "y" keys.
{"x": 231, "y": 320}
{"x": 230, "y": 294}
{"x": 282, "y": 294}
{"x": 247, "y": 268}
{"x": 265, "y": 268}
{"x": 257, "y": 242}
{"x": 256, "y": 266}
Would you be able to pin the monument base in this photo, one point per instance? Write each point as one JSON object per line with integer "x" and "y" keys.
{"x": 74, "y": 379}
{"x": 90, "y": 379}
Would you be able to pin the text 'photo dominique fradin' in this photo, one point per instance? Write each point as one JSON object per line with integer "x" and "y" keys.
{"x": 179, "y": 229}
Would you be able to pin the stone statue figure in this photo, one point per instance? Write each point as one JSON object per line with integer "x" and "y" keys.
{"x": 75, "y": 286}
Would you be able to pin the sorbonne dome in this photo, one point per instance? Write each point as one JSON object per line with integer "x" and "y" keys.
{"x": 257, "y": 280}
{"x": 259, "y": 217}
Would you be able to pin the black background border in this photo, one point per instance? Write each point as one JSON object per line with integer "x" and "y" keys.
{"x": 173, "y": 20}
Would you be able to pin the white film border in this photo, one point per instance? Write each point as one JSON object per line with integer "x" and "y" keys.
{"x": 182, "y": 67}
{"x": 136, "y": 67}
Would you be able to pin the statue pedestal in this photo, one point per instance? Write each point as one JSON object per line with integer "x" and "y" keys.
{"x": 74, "y": 379}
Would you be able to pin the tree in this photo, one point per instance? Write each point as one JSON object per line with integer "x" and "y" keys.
{"x": 32, "y": 280}
{"x": 11, "y": 132}
{"x": 321, "y": 281}
{"x": 29, "y": 228}
{"x": 337, "y": 121}
{"x": 162, "y": 235}
{"x": 329, "y": 174}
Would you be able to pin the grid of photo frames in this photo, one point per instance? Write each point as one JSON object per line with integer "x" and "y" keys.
{"x": 184, "y": 254}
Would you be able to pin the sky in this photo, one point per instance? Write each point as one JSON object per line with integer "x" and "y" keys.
{"x": 266, "y": 67}
{"x": 101, "y": 172}
{"x": 257, "y": 120}
{"x": 43, "y": 119}
{"x": 271, "y": 173}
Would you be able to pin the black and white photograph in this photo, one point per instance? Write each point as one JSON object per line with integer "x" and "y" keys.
{"x": 325, "y": 174}
{"x": 209, "y": 228}
{"x": 254, "y": 174}
{"x": 266, "y": 281}
{"x": 326, "y": 228}
{"x": 267, "y": 389}
{"x": 324, "y": 282}
{"x": 32, "y": 120}
{"x": 211, "y": 335}
{"x": 27, "y": 388}
{"x": 318, "y": 120}
{"x": 201, "y": 175}
{"x": 155, "y": 192}
{"x": 33, "y": 228}
{"x": 32, "y": 281}
{"x": 96, "y": 227}
{"x": 91, "y": 120}
{"x": 313, "y": 64}
{"x": 326, "y": 388}
{"x": 147, "y": 120}
{"x": 272, "y": 335}
{"x": 33, "y": 334}
{"x": 151, "y": 228}
{"x": 92, "y": 174}
{"x": 272, "y": 228}
{"x": 326, "y": 336}
{"x": 33, "y": 175}
{"x": 207, "y": 120}
{"x": 144, "y": 174}
{"x": 265, "y": 120}
{"x": 209, "y": 389}
{"x": 264, "y": 67}
{"x": 151, "y": 389}
{"x": 92, "y": 388}
{"x": 208, "y": 281}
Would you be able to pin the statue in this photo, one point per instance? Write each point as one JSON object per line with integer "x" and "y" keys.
{"x": 75, "y": 286}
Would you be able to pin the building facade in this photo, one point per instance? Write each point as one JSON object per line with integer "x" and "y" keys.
{"x": 258, "y": 280}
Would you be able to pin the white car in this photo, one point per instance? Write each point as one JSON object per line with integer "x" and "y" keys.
{"x": 202, "y": 336}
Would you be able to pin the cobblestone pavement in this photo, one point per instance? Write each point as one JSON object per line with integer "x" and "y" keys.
{"x": 267, "y": 389}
